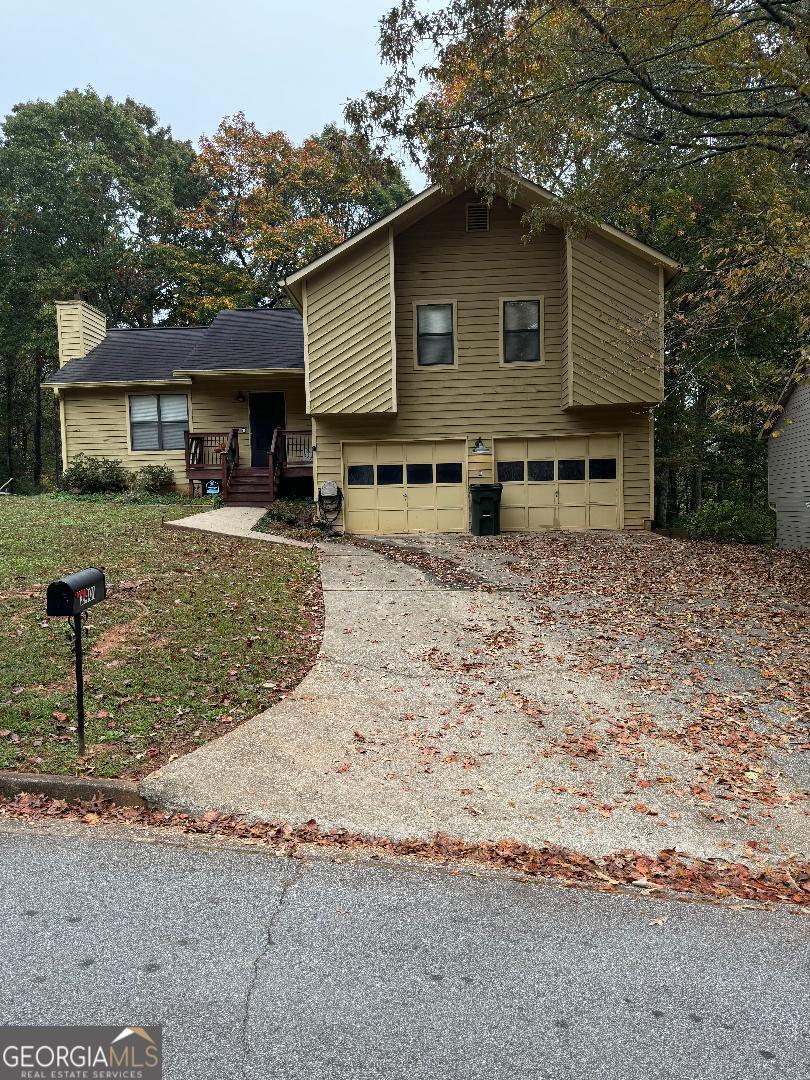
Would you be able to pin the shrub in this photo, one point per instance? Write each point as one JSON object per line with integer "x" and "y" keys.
{"x": 95, "y": 475}
{"x": 730, "y": 521}
{"x": 152, "y": 480}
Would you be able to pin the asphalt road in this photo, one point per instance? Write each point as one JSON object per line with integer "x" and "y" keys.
{"x": 264, "y": 967}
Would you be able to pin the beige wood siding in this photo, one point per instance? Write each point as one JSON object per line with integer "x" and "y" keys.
{"x": 565, "y": 322}
{"x": 438, "y": 259}
{"x": 349, "y": 339}
{"x": 79, "y": 327}
{"x": 215, "y": 408}
{"x": 614, "y": 351}
{"x": 96, "y": 423}
{"x": 789, "y": 471}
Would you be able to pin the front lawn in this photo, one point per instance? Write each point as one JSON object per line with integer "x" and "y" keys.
{"x": 198, "y": 633}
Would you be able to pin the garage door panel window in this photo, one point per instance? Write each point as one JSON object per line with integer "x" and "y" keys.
{"x": 389, "y": 474}
{"x": 510, "y": 472}
{"x": 602, "y": 469}
{"x": 541, "y": 471}
{"x": 521, "y": 331}
{"x": 413, "y": 486}
{"x": 434, "y": 335}
{"x": 571, "y": 469}
{"x": 360, "y": 475}
{"x": 158, "y": 421}
{"x": 448, "y": 472}
{"x": 420, "y": 473}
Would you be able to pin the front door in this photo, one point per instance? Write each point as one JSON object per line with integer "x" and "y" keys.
{"x": 266, "y": 414}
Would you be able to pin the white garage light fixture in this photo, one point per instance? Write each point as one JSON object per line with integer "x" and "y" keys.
{"x": 480, "y": 447}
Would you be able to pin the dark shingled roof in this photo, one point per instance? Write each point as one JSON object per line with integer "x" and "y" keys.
{"x": 132, "y": 356}
{"x": 252, "y": 338}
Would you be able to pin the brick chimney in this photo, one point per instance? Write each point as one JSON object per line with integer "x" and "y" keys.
{"x": 80, "y": 328}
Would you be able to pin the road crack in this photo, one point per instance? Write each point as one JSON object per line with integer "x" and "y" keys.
{"x": 261, "y": 956}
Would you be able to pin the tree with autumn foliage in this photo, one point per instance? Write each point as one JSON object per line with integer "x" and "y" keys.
{"x": 688, "y": 125}
{"x": 270, "y": 206}
{"x": 91, "y": 198}
{"x": 98, "y": 200}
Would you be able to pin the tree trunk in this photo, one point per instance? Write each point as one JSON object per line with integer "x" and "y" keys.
{"x": 701, "y": 404}
{"x": 8, "y": 384}
{"x": 39, "y": 369}
{"x": 673, "y": 506}
{"x": 662, "y": 496}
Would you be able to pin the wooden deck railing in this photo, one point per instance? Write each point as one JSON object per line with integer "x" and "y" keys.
{"x": 298, "y": 447}
{"x": 214, "y": 455}
{"x": 203, "y": 449}
{"x": 211, "y": 455}
{"x": 229, "y": 460}
{"x": 288, "y": 449}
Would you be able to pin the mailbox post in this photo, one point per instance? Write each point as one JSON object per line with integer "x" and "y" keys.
{"x": 70, "y": 597}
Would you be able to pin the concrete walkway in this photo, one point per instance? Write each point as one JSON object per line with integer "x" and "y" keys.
{"x": 439, "y": 709}
{"x": 234, "y": 521}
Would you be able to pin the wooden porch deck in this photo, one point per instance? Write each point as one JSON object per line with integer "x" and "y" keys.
{"x": 214, "y": 456}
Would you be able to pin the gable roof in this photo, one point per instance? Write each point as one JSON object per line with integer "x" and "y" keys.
{"x": 149, "y": 355}
{"x": 250, "y": 339}
{"x": 514, "y": 188}
{"x": 800, "y": 374}
{"x": 244, "y": 339}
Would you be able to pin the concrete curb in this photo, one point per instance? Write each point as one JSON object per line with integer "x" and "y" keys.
{"x": 71, "y": 788}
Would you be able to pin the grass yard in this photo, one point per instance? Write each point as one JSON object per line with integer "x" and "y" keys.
{"x": 198, "y": 633}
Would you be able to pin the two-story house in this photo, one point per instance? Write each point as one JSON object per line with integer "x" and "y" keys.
{"x": 435, "y": 349}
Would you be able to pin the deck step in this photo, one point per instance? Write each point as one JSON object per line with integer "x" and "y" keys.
{"x": 244, "y": 500}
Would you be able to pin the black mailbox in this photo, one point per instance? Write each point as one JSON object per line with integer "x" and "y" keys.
{"x": 75, "y": 593}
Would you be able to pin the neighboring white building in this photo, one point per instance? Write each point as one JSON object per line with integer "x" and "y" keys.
{"x": 788, "y": 431}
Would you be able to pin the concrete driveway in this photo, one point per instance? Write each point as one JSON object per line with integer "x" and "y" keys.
{"x": 441, "y": 706}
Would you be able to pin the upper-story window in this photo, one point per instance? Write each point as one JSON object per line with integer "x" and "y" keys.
{"x": 521, "y": 322}
{"x": 435, "y": 336}
{"x": 158, "y": 421}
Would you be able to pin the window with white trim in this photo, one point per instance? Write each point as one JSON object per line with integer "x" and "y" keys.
{"x": 434, "y": 335}
{"x": 158, "y": 421}
{"x": 521, "y": 331}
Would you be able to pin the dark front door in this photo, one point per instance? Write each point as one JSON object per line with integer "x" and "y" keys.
{"x": 266, "y": 414}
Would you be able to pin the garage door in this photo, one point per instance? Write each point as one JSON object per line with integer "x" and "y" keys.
{"x": 404, "y": 487}
{"x": 565, "y": 483}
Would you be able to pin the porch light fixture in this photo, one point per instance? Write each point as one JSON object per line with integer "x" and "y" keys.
{"x": 480, "y": 447}
{"x": 240, "y": 397}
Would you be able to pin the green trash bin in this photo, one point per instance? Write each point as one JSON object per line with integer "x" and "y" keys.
{"x": 485, "y": 507}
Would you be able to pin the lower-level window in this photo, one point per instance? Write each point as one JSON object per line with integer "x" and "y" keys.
{"x": 360, "y": 475}
{"x": 420, "y": 473}
{"x": 571, "y": 469}
{"x": 389, "y": 474}
{"x": 602, "y": 468}
{"x": 541, "y": 471}
{"x": 158, "y": 421}
{"x": 510, "y": 471}
{"x": 448, "y": 472}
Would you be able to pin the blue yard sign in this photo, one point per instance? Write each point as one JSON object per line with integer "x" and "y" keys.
{"x": 212, "y": 487}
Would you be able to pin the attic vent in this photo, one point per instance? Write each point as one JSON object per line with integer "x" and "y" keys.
{"x": 477, "y": 217}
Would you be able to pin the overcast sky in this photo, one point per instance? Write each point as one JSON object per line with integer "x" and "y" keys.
{"x": 288, "y": 65}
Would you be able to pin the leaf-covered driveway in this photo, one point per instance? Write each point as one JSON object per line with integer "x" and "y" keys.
{"x": 595, "y": 692}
